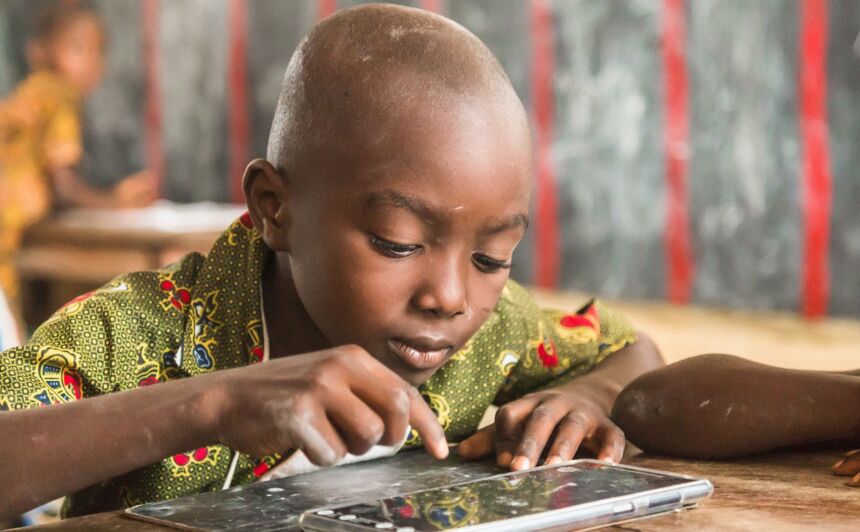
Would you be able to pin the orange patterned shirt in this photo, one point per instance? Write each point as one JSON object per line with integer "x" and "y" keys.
{"x": 39, "y": 130}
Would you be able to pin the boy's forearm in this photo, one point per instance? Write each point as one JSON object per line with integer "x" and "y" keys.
{"x": 607, "y": 379}
{"x": 52, "y": 451}
{"x": 720, "y": 406}
{"x": 72, "y": 191}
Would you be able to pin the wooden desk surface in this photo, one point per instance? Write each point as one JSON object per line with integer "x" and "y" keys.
{"x": 80, "y": 250}
{"x": 164, "y": 222}
{"x": 93, "y": 246}
{"x": 778, "y": 491}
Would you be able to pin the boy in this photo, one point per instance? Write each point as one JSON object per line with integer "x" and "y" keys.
{"x": 40, "y": 137}
{"x": 721, "y": 406}
{"x": 374, "y": 259}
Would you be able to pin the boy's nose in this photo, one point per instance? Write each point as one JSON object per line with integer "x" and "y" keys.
{"x": 443, "y": 292}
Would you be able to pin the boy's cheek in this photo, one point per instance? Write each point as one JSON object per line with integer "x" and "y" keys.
{"x": 354, "y": 304}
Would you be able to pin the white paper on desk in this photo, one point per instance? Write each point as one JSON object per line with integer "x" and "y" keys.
{"x": 298, "y": 463}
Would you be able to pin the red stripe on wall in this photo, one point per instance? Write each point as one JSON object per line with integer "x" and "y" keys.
{"x": 547, "y": 244}
{"x": 325, "y": 8}
{"x": 816, "y": 188}
{"x": 434, "y": 6}
{"x": 152, "y": 107}
{"x": 240, "y": 126}
{"x": 678, "y": 250}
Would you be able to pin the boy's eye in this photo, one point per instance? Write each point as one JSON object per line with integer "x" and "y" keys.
{"x": 488, "y": 264}
{"x": 393, "y": 249}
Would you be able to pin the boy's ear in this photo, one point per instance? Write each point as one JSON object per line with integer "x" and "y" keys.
{"x": 266, "y": 195}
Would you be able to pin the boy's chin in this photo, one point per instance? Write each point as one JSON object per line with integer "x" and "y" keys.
{"x": 414, "y": 376}
{"x": 415, "y": 367}
{"x": 417, "y": 377}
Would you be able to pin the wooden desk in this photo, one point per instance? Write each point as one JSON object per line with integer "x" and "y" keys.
{"x": 80, "y": 250}
{"x": 779, "y": 491}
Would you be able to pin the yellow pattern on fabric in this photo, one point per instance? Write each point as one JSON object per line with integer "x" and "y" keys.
{"x": 39, "y": 130}
{"x": 203, "y": 314}
{"x": 58, "y": 372}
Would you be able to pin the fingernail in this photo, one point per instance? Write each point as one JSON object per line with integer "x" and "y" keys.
{"x": 553, "y": 460}
{"x": 442, "y": 449}
{"x": 520, "y": 463}
{"x": 838, "y": 464}
{"x": 504, "y": 458}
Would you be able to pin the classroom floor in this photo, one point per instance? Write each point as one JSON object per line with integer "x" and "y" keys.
{"x": 779, "y": 339}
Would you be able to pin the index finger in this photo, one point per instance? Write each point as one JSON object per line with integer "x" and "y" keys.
{"x": 423, "y": 420}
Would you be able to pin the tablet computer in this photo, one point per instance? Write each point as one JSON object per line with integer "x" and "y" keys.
{"x": 575, "y": 494}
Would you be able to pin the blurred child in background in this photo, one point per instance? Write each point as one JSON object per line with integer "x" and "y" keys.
{"x": 8, "y": 328}
{"x": 40, "y": 134}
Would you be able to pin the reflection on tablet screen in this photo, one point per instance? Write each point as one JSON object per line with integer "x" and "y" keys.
{"x": 515, "y": 495}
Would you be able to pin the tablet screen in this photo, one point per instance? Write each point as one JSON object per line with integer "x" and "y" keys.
{"x": 513, "y": 495}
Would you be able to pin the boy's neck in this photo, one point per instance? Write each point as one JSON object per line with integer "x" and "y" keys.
{"x": 291, "y": 330}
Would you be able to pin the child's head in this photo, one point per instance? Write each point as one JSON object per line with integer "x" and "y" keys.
{"x": 397, "y": 183}
{"x": 69, "y": 40}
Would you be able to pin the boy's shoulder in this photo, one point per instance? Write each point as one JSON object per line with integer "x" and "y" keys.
{"x": 197, "y": 315}
{"x": 120, "y": 336}
{"x": 124, "y": 324}
{"x": 131, "y": 296}
{"x": 511, "y": 354}
{"x": 516, "y": 298}
{"x": 541, "y": 343}
{"x": 516, "y": 308}
{"x": 39, "y": 95}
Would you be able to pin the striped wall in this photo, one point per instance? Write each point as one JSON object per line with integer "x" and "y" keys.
{"x": 703, "y": 151}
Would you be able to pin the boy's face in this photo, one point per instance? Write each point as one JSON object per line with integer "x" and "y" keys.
{"x": 76, "y": 52}
{"x": 401, "y": 238}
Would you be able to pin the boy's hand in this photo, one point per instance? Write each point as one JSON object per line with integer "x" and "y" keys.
{"x": 849, "y": 467}
{"x": 136, "y": 190}
{"x": 324, "y": 403}
{"x": 560, "y": 419}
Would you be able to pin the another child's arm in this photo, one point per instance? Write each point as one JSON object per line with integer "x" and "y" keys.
{"x": 137, "y": 190}
{"x": 720, "y": 406}
{"x": 325, "y": 403}
{"x": 564, "y": 417}
{"x": 62, "y": 149}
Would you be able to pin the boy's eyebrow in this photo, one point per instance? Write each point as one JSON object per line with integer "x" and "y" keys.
{"x": 396, "y": 199}
{"x": 518, "y": 220}
{"x": 424, "y": 210}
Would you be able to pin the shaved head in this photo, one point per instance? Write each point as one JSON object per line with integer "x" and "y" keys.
{"x": 396, "y": 189}
{"x": 361, "y": 69}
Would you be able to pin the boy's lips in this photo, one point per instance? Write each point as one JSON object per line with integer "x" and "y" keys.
{"x": 420, "y": 353}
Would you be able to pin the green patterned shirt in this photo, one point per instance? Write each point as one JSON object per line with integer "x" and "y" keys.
{"x": 202, "y": 314}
